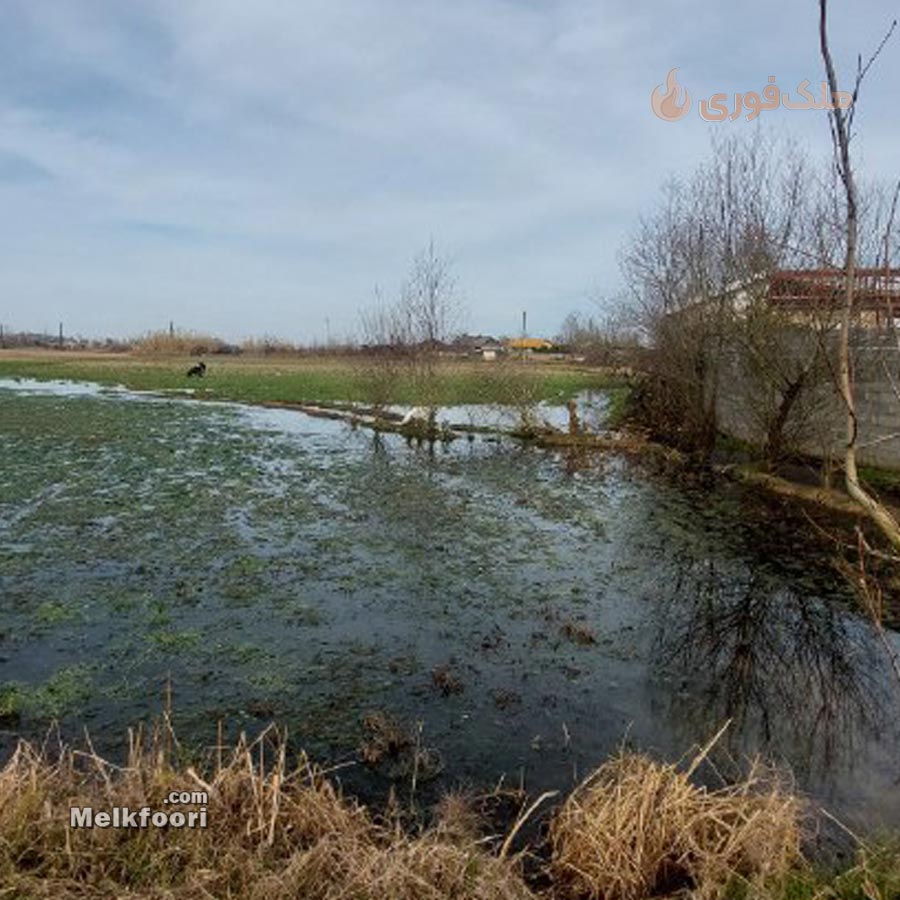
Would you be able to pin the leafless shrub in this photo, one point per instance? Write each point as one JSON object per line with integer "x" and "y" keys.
{"x": 700, "y": 262}
{"x": 407, "y": 336}
{"x": 386, "y": 737}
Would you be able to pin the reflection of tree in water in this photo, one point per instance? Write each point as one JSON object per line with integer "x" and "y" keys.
{"x": 799, "y": 677}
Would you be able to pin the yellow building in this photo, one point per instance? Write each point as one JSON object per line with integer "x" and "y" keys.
{"x": 529, "y": 343}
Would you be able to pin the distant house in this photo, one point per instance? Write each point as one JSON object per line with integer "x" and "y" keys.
{"x": 529, "y": 344}
{"x": 482, "y": 345}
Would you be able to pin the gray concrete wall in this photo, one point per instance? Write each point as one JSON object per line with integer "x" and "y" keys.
{"x": 818, "y": 425}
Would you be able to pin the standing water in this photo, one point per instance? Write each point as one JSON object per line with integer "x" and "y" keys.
{"x": 530, "y": 616}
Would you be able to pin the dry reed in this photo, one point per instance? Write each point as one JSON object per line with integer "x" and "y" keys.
{"x": 638, "y": 828}
{"x": 634, "y": 829}
{"x": 274, "y": 831}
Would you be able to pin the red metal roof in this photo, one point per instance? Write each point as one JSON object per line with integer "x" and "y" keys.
{"x": 877, "y": 290}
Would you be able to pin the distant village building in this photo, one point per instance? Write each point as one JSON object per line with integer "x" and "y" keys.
{"x": 529, "y": 344}
{"x": 480, "y": 345}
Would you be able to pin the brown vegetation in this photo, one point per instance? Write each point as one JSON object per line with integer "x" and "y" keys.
{"x": 635, "y": 828}
{"x": 445, "y": 680}
{"x": 274, "y": 831}
{"x": 578, "y": 633}
{"x": 385, "y": 737}
{"x": 179, "y": 343}
{"x": 638, "y": 828}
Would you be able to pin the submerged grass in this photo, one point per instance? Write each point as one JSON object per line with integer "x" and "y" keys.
{"x": 633, "y": 829}
{"x": 62, "y": 693}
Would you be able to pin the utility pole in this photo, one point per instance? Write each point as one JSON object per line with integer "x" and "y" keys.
{"x": 524, "y": 323}
{"x": 171, "y": 328}
{"x": 60, "y": 334}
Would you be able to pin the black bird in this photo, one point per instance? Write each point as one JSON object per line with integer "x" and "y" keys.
{"x": 198, "y": 370}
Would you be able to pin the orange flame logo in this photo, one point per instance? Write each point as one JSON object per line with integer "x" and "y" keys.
{"x": 665, "y": 105}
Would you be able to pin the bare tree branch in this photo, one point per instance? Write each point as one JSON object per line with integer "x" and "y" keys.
{"x": 840, "y": 122}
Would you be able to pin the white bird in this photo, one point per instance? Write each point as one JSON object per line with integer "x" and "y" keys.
{"x": 416, "y": 414}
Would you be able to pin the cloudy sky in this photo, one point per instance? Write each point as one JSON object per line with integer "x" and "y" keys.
{"x": 258, "y": 167}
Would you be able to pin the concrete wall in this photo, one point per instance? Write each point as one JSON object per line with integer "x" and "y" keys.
{"x": 818, "y": 425}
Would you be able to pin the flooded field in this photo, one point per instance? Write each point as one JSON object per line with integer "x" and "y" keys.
{"x": 532, "y": 617}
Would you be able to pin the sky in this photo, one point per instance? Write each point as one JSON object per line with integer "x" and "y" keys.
{"x": 258, "y": 168}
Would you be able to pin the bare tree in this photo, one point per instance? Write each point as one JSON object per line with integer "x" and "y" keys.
{"x": 429, "y": 299}
{"x": 430, "y": 306}
{"x": 404, "y": 339}
{"x": 385, "y": 339}
{"x": 604, "y": 339}
{"x": 785, "y": 372}
{"x": 841, "y": 123}
{"x": 700, "y": 262}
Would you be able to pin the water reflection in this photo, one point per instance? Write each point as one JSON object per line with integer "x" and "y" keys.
{"x": 797, "y": 676}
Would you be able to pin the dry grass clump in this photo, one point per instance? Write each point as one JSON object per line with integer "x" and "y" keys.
{"x": 638, "y": 828}
{"x": 395, "y": 868}
{"x": 398, "y": 749}
{"x": 445, "y": 680}
{"x": 578, "y": 633}
{"x": 386, "y": 737}
{"x": 634, "y": 829}
{"x": 457, "y": 819}
{"x": 274, "y": 831}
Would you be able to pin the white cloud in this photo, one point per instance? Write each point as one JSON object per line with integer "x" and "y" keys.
{"x": 253, "y": 163}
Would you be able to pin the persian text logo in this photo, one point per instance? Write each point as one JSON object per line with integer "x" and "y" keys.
{"x": 674, "y": 102}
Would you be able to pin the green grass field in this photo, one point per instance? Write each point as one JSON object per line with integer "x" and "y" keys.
{"x": 307, "y": 380}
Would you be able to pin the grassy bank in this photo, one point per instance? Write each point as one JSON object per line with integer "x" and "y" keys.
{"x": 634, "y": 829}
{"x": 303, "y": 380}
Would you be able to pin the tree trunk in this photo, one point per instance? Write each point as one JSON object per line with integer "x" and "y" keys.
{"x": 879, "y": 514}
{"x": 775, "y": 436}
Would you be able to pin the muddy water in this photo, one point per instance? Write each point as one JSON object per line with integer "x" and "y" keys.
{"x": 279, "y": 566}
